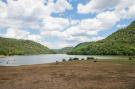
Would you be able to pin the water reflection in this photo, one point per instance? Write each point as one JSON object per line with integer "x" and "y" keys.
{"x": 49, "y": 58}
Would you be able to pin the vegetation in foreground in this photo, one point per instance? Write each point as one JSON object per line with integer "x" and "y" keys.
{"x": 121, "y": 42}
{"x": 77, "y": 74}
{"x": 129, "y": 61}
{"x": 10, "y": 46}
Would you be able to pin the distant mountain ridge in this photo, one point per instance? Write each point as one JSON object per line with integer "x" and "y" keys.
{"x": 9, "y": 46}
{"x": 63, "y": 50}
{"x": 121, "y": 42}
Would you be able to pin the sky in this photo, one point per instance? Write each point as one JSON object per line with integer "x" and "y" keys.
{"x": 61, "y": 23}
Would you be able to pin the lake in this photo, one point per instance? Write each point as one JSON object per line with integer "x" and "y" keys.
{"x": 48, "y": 58}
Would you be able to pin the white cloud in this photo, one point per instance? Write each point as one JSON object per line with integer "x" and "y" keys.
{"x": 86, "y": 30}
{"x": 91, "y": 24}
{"x": 81, "y": 31}
{"x": 30, "y": 11}
{"x": 58, "y": 45}
{"x": 51, "y": 23}
{"x": 34, "y": 14}
{"x": 119, "y": 26}
{"x": 131, "y": 11}
{"x": 16, "y": 33}
{"x": 97, "y": 6}
{"x": 25, "y": 8}
{"x": 3, "y": 10}
{"x": 18, "y": 23}
{"x": 62, "y": 5}
{"x": 125, "y": 9}
{"x": 36, "y": 8}
{"x": 21, "y": 34}
{"x": 108, "y": 19}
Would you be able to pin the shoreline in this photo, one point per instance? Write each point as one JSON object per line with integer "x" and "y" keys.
{"x": 1, "y": 56}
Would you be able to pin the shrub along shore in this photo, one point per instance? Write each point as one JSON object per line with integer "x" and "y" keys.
{"x": 131, "y": 59}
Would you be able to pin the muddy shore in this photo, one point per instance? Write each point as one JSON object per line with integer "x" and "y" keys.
{"x": 69, "y": 75}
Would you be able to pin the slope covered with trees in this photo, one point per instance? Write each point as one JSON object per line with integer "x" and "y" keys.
{"x": 121, "y": 42}
{"x": 63, "y": 50}
{"x": 10, "y": 46}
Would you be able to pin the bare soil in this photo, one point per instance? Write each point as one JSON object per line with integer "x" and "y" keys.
{"x": 69, "y": 75}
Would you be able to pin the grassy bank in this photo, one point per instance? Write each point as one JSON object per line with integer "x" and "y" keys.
{"x": 78, "y": 74}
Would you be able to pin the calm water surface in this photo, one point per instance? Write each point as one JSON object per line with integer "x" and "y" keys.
{"x": 48, "y": 58}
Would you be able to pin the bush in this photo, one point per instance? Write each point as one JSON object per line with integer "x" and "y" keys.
{"x": 131, "y": 58}
{"x": 70, "y": 59}
{"x": 57, "y": 62}
{"x": 82, "y": 59}
{"x": 89, "y": 58}
{"x": 63, "y": 60}
{"x": 75, "y": 58}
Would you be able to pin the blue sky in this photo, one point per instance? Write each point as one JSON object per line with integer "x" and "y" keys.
{"x": 62, "y": 23}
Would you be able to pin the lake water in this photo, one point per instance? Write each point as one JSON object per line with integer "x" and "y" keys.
{"x": 48, "y": 58}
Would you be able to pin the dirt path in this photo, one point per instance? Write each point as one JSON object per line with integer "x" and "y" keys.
{"x": 69, "y": 75}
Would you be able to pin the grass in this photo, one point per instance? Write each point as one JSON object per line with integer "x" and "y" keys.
{"x": 120, "y": 61}
{"x": 114, "y": 61}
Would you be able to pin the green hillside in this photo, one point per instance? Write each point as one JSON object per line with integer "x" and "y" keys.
{"x": 63, "y": 50}
{"x": 10, "y": 46}
{"x": 121, "y": 42}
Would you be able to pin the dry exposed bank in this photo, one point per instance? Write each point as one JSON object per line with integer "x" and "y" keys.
{"x": 69, "y": 75}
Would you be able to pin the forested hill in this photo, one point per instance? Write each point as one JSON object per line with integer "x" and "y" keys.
{"x": 63, "y": 50}
{"x": 10, "y": 46}
{"x": 121, "y": 42}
